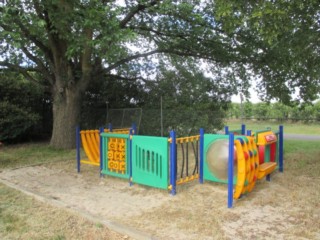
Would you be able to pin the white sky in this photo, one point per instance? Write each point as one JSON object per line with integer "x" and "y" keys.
{"x": 253, "y": 97}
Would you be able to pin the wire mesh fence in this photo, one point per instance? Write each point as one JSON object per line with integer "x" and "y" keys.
{"x": 159, "y": 123}
{"x": 185, "y": 122}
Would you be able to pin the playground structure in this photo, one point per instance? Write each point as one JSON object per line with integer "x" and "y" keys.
{"x": 234, "y": 158}
{"x": 90, "y": 140}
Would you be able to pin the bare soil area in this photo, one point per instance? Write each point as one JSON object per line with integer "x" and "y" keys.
{"x": 288, "y": 207}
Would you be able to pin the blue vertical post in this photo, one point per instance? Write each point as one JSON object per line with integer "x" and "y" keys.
{"x": 249, "y": 132}
{"x": 201, "y": 155}
{"x": 281, "y": 148}
{"x": 173, "y": 159}
{"x": 243, "y": 129}
{"x": 130, "y": 157}
{"x": 268, "y": 177}
{"x": 134, "y": 128}
{"x": 101, "y": 130}
{"x": 226, "y": 130}
{"x": 110, "y": 127}
{"x": 230, "y": 170}
{"x": 78, "y": 147}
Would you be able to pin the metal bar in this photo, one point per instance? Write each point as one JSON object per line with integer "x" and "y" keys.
{"x": 281, "y": 148}
{"x": 243, "y": 129}
{"x": 130, "y": 157}
{"x": 226, "y": 130}
{"x": 78, "y": 147}
{"x": 201, "y": 155}
{"x": 101, "y": 152}
{"x": 187, "y": 158}
{"x": 122, "y": 117}
{"x": 134, "y": 128}
{"x": 268, "y": 177}
{"x": 230, "y": 170}
{"x": 173, "y": 160}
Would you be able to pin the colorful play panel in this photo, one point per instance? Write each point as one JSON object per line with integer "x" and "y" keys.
{"x": 235, "y": 159}
{"x": 90, "y": 141}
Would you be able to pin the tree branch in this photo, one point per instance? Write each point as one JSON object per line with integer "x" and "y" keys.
{"x": 32, "y": 38}
{"x": 23, "y": 71}
{"x": 35, "y": 40}
{"x": 42, "y": 68}
{"x": 38, "y": 9}
{"x": 114, "y": 76}
{"x": 136, "y": 10}
{"x": 130, "y": 58}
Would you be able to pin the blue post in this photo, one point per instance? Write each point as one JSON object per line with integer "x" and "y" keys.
{"x": 134, "y": 128}
{"x": 281, "y": 148}
{"x": 226, "y": 130}
{"x": 201, "y": 155}
{"x": 230, "y": 170}
{"x": 130, "y": 157}
{"x": 268, "y": 177}
{"x": 249, "y": 132}
{"x": 243, "y": 129}
{"x": 101, "y": 130}
{"x": 110, "y": 127}
{"x": 78, "y": 147}
{"x": 173, "y": 159}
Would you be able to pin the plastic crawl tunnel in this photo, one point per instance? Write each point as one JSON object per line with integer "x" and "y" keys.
{"x": 246, "y": 162}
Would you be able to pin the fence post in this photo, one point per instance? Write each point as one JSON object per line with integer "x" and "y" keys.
{"x": 201, "y": 155}
{"x": 101, "y": 130}
{"x": 243, "y": 129}
{"x": 226, "y": 130}
{"x": 130, "y": 156}
{"x": 134, "y": 128}
{"x": 281, "y": 148}
{"x": 230, "y": 170}
{"x": 78, "y": 147}
{"x": 173, "y": 160}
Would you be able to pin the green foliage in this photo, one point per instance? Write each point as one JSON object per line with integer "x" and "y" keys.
{"x": 71, "y": 44}
{"x": 317, "y": 110}
{"x": 190, "y": 101}
{"x": 282, "y": 38}
{"x": 15, "y": 121}
{"x": 276, "y": 111}
{"x": 248, "y": 109}
{"x": 21, "y": 104}
{"x": 110, "y": 92}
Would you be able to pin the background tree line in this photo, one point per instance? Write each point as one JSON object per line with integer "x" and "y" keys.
{"x": 275, "y": 111}
{"x": 130, "y": 53}
{"x": 26, "y": 107}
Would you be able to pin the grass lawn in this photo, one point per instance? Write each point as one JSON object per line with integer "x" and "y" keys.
{"x": 297, "y": 128}
{"x": 23, "y": 217}
{"x": 28, "y": 154}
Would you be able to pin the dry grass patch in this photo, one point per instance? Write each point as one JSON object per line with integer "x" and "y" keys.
{"x": 22, "y": 217}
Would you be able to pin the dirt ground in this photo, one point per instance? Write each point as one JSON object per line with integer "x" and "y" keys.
{"x": 288, "y": 207}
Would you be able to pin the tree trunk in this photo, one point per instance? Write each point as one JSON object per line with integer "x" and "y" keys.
{"x": 66, "y": 115}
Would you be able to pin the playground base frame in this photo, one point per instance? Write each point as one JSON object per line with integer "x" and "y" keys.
{"x": 172, "y": 181}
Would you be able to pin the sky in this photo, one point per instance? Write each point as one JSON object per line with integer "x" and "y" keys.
{"x": 253, "y": 97}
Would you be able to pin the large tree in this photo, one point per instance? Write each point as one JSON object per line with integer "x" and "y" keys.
{"x": 281, "y": 39}
{"x": 69, "y": 43}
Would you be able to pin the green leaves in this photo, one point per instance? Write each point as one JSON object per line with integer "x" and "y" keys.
{"x": 15, "y": 121}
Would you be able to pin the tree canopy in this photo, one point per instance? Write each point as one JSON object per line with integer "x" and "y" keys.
{"x": 65, "y": 45}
